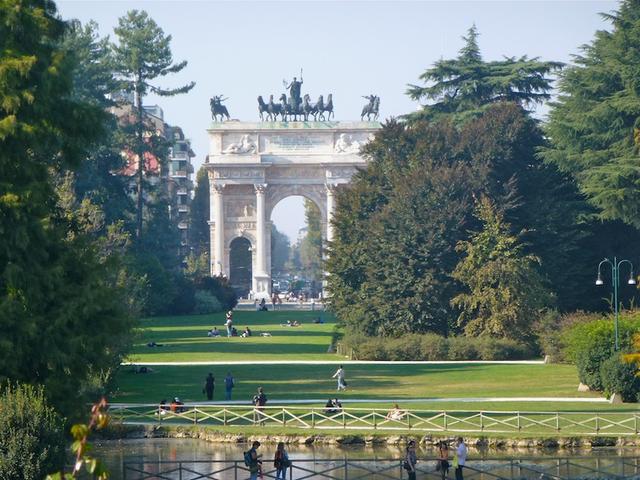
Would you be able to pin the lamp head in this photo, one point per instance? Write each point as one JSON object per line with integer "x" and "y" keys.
{"x": 599, "y": 281}
{"x": 632, "y": 280}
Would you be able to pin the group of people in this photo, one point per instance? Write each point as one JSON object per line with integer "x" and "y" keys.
{"x": 332, "y": 406}
{"x": 253, "y": 460}
{"x": 210, "y": 385}
{"x": 442, "y": 465}
{"x": 231, "y": 330}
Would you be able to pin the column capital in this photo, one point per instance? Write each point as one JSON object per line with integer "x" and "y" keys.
{"x": 260, "y": 187}
{"x": 331, "y": 188}
{"x": 217, "y": 187}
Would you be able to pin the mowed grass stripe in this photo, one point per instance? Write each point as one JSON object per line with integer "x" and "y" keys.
{"x": 365, "y": 381}
{"x": 185, "y": 338}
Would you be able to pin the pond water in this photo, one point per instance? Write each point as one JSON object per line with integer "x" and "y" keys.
{"x": 159, "y": 458}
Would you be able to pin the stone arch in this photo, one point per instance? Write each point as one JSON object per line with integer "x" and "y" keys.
{"x": 315, "y": 193}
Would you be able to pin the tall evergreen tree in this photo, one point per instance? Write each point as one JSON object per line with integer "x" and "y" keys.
{"x": 594, "y": 126}
{"x": 61, "y": 317}
{"x": 142, "y": 55}
{"x": 465, "y": 85}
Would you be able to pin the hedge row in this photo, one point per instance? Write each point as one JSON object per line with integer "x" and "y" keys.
{"x": 435, "y": 347}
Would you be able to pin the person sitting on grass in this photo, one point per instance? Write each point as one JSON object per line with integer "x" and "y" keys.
{"x": 246, "y": 333}
{"x": 396, "y": 413}
{"x": 213, "y": 332}
{"x": 329, "y": 407}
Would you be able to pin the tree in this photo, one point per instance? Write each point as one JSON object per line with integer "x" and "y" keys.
{"x": 94, "y": 83}
{"x": 54, "y": 289}
{"x": 280, "y": 249}
{"x": 506, "y": 293}
{"x": 594, "y": 126}
{"x": 464, "y": 86}
{"x": 142, "y": 55}
{"x": 311, "y": 244}
{"x": 199, "y": 214}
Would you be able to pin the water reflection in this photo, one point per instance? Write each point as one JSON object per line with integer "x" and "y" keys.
{"x": 151, "y": 451}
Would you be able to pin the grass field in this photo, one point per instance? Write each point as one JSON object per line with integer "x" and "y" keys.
{"x": 184, "y": 339}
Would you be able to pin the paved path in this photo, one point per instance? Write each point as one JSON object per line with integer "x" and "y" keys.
{"x": 339, "y": 362}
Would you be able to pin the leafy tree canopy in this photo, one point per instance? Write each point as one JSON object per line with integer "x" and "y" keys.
{"x": 506, "y": 292}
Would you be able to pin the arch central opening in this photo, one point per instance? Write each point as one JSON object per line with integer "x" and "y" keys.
{"x": 240, "y": 267}
{"x": 296, "y": 249}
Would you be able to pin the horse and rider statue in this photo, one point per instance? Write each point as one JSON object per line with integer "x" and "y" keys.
{"x": 372, "y": 108}
{"x": 217, "y": 108}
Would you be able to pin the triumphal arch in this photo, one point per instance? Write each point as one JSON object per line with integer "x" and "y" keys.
{"x": 294, "y": 150}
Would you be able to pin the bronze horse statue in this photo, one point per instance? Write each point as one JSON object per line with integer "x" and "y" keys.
{"x": 371, "y": 108}
{"x": 217, "y": 108}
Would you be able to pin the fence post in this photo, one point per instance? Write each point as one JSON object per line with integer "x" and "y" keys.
{"x": 557, "y": 421}
{"x": 481, "y": 422}
{"x": 375, "y": 420}
{"x": 597, "y": 424}
{"x": 284, "y": 418}
{"x": 313, "y": 418}
{"x": 346, "y": 468}
{"x": 518, "y": 421}
{"x": 180, "y": 471}
{"x": 195, "y": 415}
{"x": 445, "y": 421}
{"x": 635, "y": 422}
{"x": 224, "y": 416}
{"x": 344, "y": 420}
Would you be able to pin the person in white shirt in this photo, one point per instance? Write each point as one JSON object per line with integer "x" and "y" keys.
{"x": 342, "y": 385}
{"x": 461, "y": 457}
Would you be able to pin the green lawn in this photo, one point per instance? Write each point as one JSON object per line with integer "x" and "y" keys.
{"x": 185, "y": 338}
{"x": 375, "y": 382}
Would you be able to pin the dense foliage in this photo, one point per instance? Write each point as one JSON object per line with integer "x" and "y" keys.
{"x": 594, "y": 126}
{"x": 621, "y": 377}
{"x": 62, "y": 312}
{"x": 464, "y": 86}
{"x": 590, "y": 343}
{"x": 32, "y": 434}
{"x": 505, "y": 289}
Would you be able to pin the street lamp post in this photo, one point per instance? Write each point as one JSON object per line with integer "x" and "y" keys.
{"x": 615, "y": 279}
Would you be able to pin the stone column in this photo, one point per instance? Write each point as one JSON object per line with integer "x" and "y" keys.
{"x": 261, "y": 257}
{"x": 217, "y": 217}
{"x": 331, "y": 188}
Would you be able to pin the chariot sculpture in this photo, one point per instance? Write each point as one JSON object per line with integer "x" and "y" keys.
{"x": 295, "y": 107}
{"x": 372, "y": 108}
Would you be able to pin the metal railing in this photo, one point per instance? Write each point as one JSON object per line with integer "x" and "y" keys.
{"x": 618, "y": 423}
{"x": 548, "y": 468}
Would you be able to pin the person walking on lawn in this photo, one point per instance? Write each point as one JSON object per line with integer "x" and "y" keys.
{"x": 342, "y": 384}
{"x": 229, "y": 383}
{"x": 209, "y": 386}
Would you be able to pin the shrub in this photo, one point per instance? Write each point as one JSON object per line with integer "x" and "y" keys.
{"x": 589, "y": 344}
{"x": 620, "y": 377}
{"x": 32, "y": 434}
{"x": 463, "y": 348}
{"x": 371, "y": 349}
{"x": 433, "y": 347}
{"x": 502, "y": 349}
{"x": 205, "y": 302}
{"x": 219, "y": 288}
{"x": 407, "y": 347}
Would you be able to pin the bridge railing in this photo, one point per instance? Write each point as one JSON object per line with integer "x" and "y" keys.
{"x": 548, "y": 468}
{"x": 615, "y": 423}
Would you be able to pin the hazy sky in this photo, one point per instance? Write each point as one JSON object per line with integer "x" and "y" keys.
{"x": 244, "y": 49}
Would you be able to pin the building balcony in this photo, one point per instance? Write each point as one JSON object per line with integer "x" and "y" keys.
{"x": 182, "y": 191}
{"x": 183, "y": 208}
{"x": 179, "y": 174}
{"x": 183, "y": 225}
{"x": 178, "y": 155}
